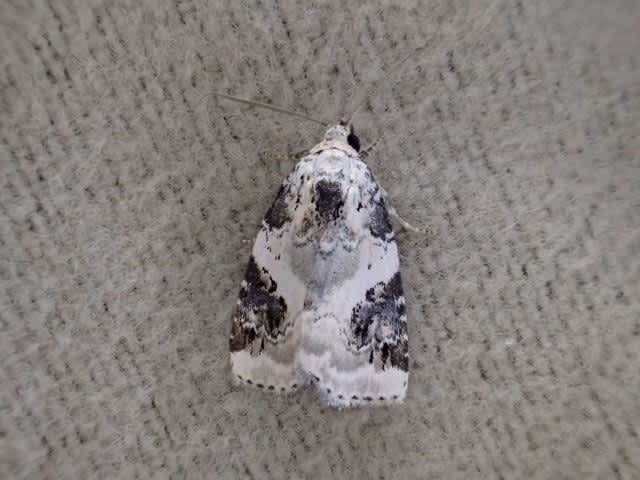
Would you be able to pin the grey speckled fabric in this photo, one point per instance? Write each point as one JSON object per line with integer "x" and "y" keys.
{"x": 127, "y": 192}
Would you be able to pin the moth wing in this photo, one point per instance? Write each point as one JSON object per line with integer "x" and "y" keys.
{"x": 265, "y": 327}
{"x": 322, "y": 296}
{"x": 355, "y": 343}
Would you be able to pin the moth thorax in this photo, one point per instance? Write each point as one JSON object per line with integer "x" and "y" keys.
{"x": 336, "y": 132}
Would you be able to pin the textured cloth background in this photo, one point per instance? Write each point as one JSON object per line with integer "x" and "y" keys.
{"x": 127, "y": 191}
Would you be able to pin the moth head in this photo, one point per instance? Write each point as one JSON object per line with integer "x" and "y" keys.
{"x": 343, "y": 133}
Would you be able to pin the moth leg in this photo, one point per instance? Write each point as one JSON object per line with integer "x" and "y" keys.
{"x": 392, "y": 211}
{"x": 403, "y": 222}
{"x": 271, "y": 157}
{"x": 371, "y": 147}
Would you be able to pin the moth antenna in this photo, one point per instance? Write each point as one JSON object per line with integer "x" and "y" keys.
{"x": 376, "y": 85}
{"x": 270, "y": 107}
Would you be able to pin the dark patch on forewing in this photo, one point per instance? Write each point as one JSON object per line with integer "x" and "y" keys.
{"x": 278, "y": 214}
{"x": 328, "y": 199}
{"x": 379, "y": 323}
{"x": 261, "y": 313}
{"x": 379, "y": 223}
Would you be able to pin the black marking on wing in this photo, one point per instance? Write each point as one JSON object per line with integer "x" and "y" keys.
{"x": 261, "y": 312}
{"x": 379, "y": 223}
{"x": 278, "y": 214}
{"x": 378, "y": 322}
{"x": 328, "y": 199}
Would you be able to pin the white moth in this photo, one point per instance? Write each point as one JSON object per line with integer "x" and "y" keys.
{"x": 322, "y": 303}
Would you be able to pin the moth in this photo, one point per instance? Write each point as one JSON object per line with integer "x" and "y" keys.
{"x": 322, "y": 303}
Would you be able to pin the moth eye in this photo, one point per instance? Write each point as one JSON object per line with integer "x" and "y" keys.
{"x": 354, "y": 142}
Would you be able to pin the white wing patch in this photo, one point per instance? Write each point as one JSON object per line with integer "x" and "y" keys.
{"x": 322, "y": 302}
